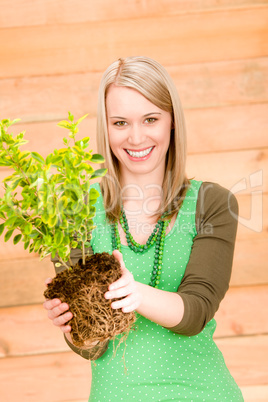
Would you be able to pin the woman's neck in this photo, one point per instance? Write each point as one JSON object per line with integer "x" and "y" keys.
{"x": 141, "y": 194}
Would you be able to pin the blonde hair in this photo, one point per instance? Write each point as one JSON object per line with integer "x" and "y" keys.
{"x": 149, "y": 78}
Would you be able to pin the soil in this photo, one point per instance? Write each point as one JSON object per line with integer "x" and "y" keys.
{"x": 83, "y": 288}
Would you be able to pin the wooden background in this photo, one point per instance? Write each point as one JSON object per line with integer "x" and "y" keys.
{"x": 52, "y": 54}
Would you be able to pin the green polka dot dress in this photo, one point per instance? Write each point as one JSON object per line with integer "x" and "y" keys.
{"x": 154, "y": 363}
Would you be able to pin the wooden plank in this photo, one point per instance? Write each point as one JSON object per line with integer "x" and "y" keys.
{"x": 255, "y": 393}
{"x": 247, "y": 318}
{"x": 213, "y": 36}
{"x": 221, "y": 83}
{"x": 227, "y": 128}
{"x": 49, "y": 98}
{"x": 26, "y": 330}
{"x": 44, "y": 12}
{"x": 53, "y": 377}
{"x": 250, "y": 262}
{"x": 23, "y": 280}
{"x": 205, "y": 85}
{"x": 253, "y": 216}
{"x": 246, "y": 358}
{"x": 242, "y": 172}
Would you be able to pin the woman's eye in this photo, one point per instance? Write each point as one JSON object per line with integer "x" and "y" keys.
{"x": 120, "y": 123}
{"x": 150, "y": 120}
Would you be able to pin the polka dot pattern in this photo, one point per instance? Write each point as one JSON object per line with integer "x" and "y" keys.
{"x": 154, "y": 363}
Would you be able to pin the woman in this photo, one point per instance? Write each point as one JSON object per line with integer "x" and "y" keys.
{"x": 174, "y": 239}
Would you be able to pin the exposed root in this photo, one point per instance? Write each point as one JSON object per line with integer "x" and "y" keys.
{"x": 83, "y": 288}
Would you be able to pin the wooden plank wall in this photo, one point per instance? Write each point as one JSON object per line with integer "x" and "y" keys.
{"x": 52, "y": 54}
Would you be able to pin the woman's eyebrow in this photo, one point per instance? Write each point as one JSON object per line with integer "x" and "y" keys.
{"x": 124, "y": 118}
{"x": 149, "y": 114}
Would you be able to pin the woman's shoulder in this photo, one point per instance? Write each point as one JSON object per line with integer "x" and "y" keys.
{"x": 213, "y": 194}
{"x": 215, "y": 200}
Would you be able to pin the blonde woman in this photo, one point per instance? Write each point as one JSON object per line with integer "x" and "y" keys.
{"x": 174, "y": 239}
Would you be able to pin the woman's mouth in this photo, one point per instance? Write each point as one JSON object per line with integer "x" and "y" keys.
{"x": 139, "y": 154}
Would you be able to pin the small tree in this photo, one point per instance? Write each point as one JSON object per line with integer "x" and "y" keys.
{"x": 49, "y": 201}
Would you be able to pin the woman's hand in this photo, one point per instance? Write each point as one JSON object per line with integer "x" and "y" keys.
{"x": 125, "y": 287}
{"x": 58, "y": 312}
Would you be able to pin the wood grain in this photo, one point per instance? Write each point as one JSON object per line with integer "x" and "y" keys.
{"x": 246, "y": 358}
{"x": 23, "y": 280}
{"x": 44, "y": 12}
{"x": 26, "y": 330}
{"x": 253, "y": 215}
{"x": 240, "y": 171}
{"x": 257, "y": 393}
{"x": 213, "y": 36}
{"x": 250, "y": 262}
{"x": 43, "y": 378}
{"x": 247, "y": 318}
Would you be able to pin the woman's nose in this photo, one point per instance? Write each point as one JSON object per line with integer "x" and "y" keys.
{"x": 136, "y": 135}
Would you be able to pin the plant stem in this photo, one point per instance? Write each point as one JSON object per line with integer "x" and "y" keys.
{"x": 64, "y": 263}
{"x": 83, "y": 253}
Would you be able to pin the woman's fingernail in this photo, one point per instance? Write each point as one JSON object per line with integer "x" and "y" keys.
{"x": 107, "y": 295}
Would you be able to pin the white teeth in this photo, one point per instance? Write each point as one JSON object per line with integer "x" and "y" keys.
{"x": 140, "y": 154}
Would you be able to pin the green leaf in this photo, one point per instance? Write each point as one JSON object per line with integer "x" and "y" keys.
{"x": 37, "y": 245}
{"x": 58, "y": 237}
{"x": 77, "y": 149}
{"x": 99, "y": 173}
{"x": 14, "y": 122}
{"x": 52, "y": 221}
{"x": 65, "y": 124}
{"x": 8, "y": 234}
{"x": 26, "y": 244}
{"x": 71, "y": 117}
{"x": 15, "y": 183}
{"x": 10, "y": 221}
{"x": 17, "y": 238}
{"x": 31, "y": 248}
{"x": 74, "y": 244}
{"x": 38, "y": 157}
{"x": 27, "y": 229}
{"x": 82, "y": 118}
{"x": 45, "y": 217}
{"x": 93, "y": 194}
{"x": 2, "y": 227}
{"x": 97, "y": 158}
{"x": 23, "y": 155}
{"x": 48, "y": 240}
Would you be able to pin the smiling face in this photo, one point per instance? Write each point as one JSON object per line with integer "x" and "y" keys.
{"x": 139, "y": 132}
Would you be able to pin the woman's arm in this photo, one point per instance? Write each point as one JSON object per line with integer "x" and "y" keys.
{"x": 206, "y": 277}
{"x": 164, "y": 308}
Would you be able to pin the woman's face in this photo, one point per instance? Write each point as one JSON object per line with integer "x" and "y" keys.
{"x": 139, "y": 132}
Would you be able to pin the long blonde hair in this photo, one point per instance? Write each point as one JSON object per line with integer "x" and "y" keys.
{"x": 149, "y": 78}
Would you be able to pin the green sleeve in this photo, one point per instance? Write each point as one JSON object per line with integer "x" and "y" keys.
{"x": 96, "y": 351}
{"x": 208, "y": 272}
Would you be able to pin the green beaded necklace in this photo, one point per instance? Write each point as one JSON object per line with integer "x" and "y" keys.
{"x": 157, "y": 237}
